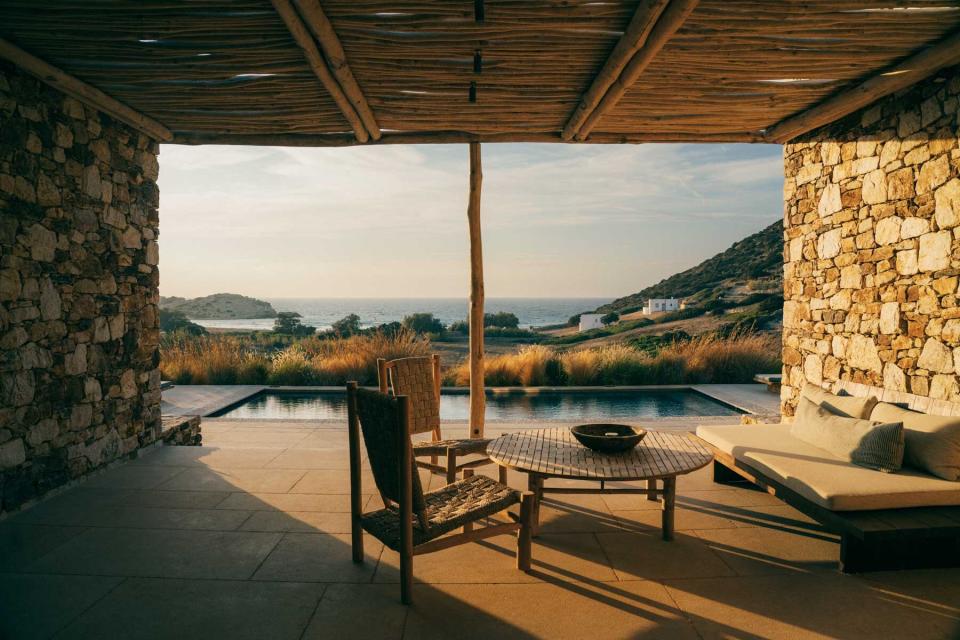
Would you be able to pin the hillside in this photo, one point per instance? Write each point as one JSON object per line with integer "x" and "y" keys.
{"x": 219, "y": 306}
{"x": 752, "y": 264}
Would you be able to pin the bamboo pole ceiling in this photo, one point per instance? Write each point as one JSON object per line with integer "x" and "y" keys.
{"x": 492, "y": 70}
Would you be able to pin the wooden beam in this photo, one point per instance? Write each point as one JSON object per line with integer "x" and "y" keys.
{"x": 83, "y": 92}
{"x": 452, "y": 137}
{"x": 915, "y": 68}
{"x": 478, "y": 399}
{"x": 305, "y": 41}
{"x": 336, "y": 58}
{"x": 635, "y": 36}
{"x": 668, "y": 24}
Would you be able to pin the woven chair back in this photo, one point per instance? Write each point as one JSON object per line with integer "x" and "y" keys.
{"x": 414, "y": 378}
{"x": 382, "y": 429}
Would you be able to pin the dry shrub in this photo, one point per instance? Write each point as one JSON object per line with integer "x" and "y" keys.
{"x": 702, "y": 360}
{"x": 582, "y": 366}
{"x": 736, "y": 359}
{"x": 216, "y": 359}
{"x": 529, "y": 367}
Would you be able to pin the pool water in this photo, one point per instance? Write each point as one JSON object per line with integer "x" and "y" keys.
{"x": 506, "y": 407}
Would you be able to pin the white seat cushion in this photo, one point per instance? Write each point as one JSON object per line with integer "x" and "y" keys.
{"x": 823, "y": 479}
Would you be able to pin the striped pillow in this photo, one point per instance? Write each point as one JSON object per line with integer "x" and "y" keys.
{"x": 875, "y": 445}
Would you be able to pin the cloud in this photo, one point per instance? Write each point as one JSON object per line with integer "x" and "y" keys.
{"x": 228, "y": 210}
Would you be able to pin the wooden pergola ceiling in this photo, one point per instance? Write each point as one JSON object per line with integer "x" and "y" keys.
{"x": 341, "y": 72}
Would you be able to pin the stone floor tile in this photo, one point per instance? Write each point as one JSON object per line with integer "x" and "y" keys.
{"x": 159, "y": 499}
{"x": 154, "y": 518}
{"x": 567, "y": 556}
{"x": 762, "y": 550}
{"x": 147, "y": 608}
{"x": 300, "y": 521}
{"x": 160, "y": 553}
{"x": 23, "y": 544}
{"x": 935, "y": 589}
{"x": 35, "y": 606}
{"x": 359, "y": 612}
{"x": 646, "y": 556}
{"x": 210, "y": 457}
{"x": 253, "y": 480}
{"x": 311, "y": 459}
{"x": 131, "y": 476}
{"x": 800, "y": 606}
{"x": 737, "y": 497}
{"x": 318, "y": 557}
{"x": 72, "y": 507}
{"x": 325, "y": 502}
{"x": 327, "y": 481}
{"x": 576, "y": 513}
{"x": 650, "y": 520}
{"x": 546, "y": 610}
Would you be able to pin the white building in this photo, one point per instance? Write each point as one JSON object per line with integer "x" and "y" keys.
{"x": 660, "y": 305}
{"x": 590, "y": 321}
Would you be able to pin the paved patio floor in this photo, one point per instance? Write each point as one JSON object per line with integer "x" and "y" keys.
{"x": 247, "y": 537}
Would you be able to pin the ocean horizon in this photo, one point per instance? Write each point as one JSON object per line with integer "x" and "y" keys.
{"x": 323, "y": 312}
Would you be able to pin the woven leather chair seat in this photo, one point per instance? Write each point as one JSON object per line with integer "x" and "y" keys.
{"x": 461, "y": 446}
{"x": 446, "y": 509}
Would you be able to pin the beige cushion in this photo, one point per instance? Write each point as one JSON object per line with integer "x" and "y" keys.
{"x": 824, "y": 480}
{"x": 849, "y": 406}
{"x": 932, "y": 442}
{"x": 874, "y": 445}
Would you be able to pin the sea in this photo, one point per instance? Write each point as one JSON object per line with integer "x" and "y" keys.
{"x": 323, "y": 312}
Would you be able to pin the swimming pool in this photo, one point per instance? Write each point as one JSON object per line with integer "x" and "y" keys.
{"x": 552, "y": 405}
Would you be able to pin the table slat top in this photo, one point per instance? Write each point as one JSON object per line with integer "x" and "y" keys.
{"x": 556, "y": 453}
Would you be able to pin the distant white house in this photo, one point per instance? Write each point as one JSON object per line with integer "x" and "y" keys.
{"x": 590, "y": 321}
{"x": 660, "y": 305}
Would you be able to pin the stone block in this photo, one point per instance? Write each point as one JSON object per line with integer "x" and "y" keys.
{"x": 934, "y": 251}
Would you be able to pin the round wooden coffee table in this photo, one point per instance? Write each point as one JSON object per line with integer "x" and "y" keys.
{"x": 555, "y": 453}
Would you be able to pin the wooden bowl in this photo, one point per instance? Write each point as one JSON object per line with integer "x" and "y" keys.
{"x": 608, "y": 438}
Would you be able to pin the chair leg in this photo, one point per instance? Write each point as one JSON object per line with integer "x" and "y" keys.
{"x": 356, "y": 542}
{"x": 406, "y": 577}
{"x": 503, "y": 474}
{"x": 451, "y": 466}
{"x": 525, "y": 533}
{"x": 468, "y": 527}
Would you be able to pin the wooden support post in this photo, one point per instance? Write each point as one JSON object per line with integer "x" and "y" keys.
{"x": 83, "y": 92}
{"x": 356, "y": 503}
{"x": 635, "y": 36}
{"x": 336, "y": 58}
{"x": 318, "y": 65}
{"x": 478, "y": 400}
{"x": 668, "y": 24}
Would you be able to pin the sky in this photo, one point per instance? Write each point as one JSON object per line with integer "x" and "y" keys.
{"x": 390, "y": 221}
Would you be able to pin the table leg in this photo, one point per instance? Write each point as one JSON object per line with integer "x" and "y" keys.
{"x": 535, "y": 486}
{"x": 667, "y": 503}
{"x": 651, "y": 486}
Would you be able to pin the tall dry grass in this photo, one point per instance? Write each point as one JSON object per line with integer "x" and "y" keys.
{"x": 235, "y": 360}
{"x": 707, "y": 359}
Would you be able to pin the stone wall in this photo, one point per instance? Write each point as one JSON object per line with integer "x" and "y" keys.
{"x": 79, "y": 377}
{"x": 872, "y": 247}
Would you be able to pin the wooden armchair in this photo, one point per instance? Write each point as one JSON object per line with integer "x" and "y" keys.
{"x": 418, "y": 378}
{"x": 413, "y": 523}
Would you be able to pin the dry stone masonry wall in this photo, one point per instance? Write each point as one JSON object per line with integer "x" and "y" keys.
{"x": 79, "y": 377}
{"x": 872, "y": 247}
